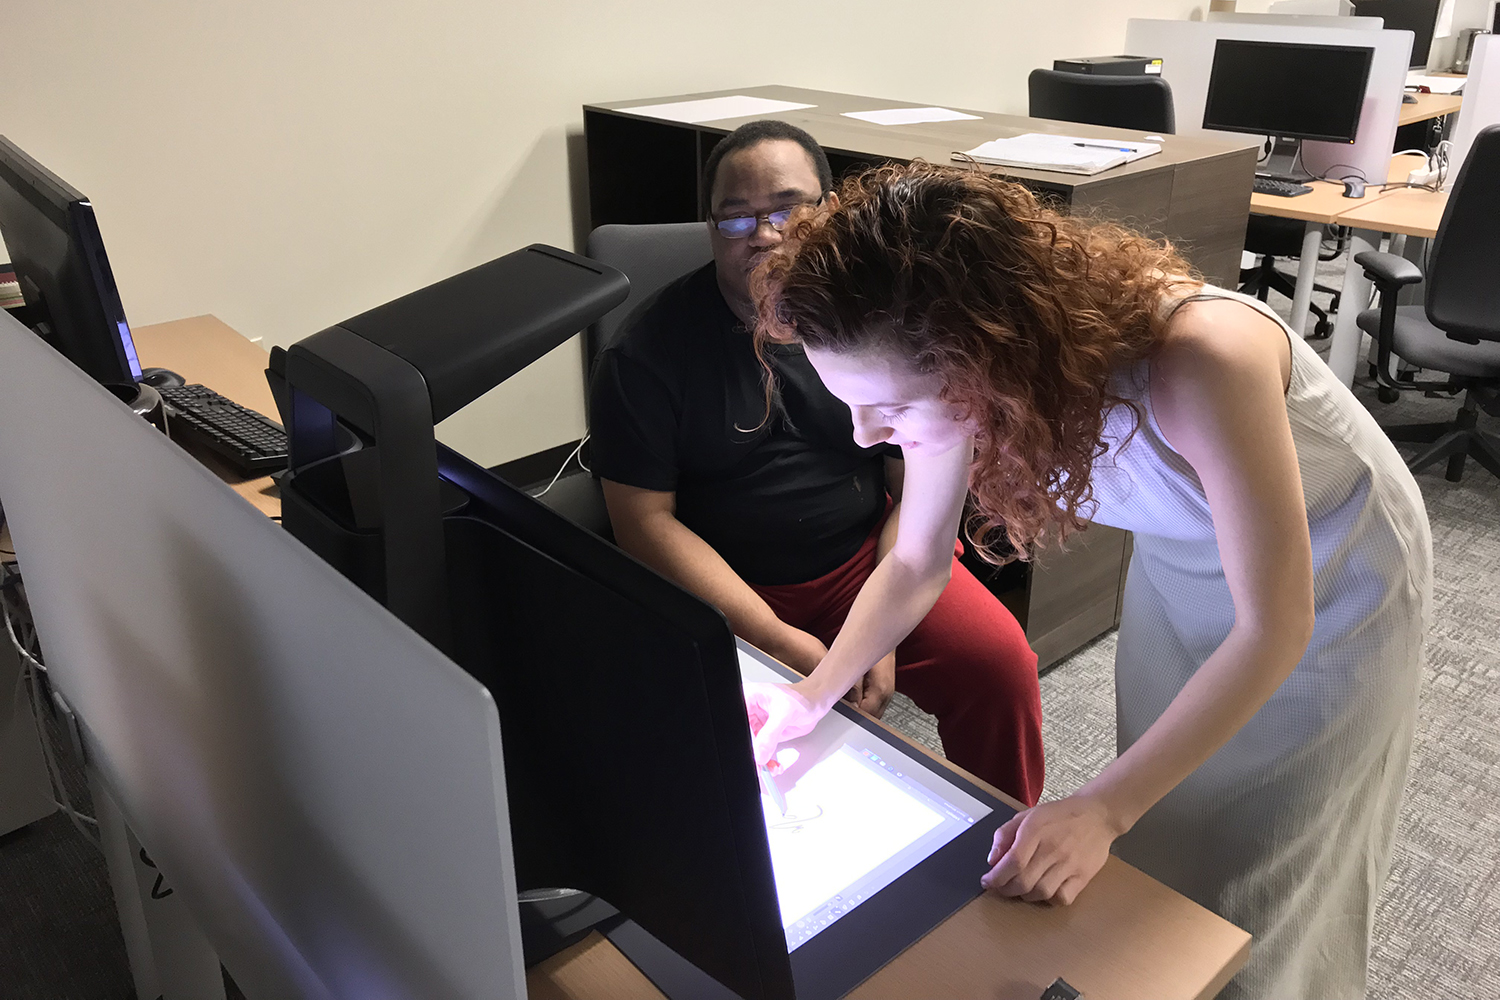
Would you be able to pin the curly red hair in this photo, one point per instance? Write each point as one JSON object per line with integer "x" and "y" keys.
{"x": 1025, "y": 313}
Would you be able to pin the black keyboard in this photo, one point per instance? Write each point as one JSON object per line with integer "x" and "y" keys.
{"x": 249, "y": 442}
{"x": 1282, "y": 189}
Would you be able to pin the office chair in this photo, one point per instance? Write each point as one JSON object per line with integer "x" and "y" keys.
{"x": 1142, "y": 103}
{"x": 652, "y": 256}
{"x": 1457, "y": 329}
{"x": 1270, "y": 237}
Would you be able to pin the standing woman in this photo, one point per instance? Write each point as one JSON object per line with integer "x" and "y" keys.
{"x": 1270, "y": 645}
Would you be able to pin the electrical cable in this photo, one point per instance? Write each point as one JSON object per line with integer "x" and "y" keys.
{"x": 32, "y": 675}
{"x": 562, "y": 468}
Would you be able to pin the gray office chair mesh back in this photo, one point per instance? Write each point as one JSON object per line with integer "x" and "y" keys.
{"x": 1143, "y": 103}
{"x": 652, "y": 257}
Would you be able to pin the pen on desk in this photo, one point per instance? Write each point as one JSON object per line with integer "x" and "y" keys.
{"x": 770, "y": 786}
{"x": 1095, "y": 145}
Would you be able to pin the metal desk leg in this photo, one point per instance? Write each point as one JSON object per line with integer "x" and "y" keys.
{"x": 1343, "y": 351}
{"x": 169, "y": 957}
{"x": 1307, "y": 272}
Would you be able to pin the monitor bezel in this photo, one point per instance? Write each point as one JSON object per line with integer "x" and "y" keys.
{"x": 92, "y": 315}
{"x": 1214, "y": 84}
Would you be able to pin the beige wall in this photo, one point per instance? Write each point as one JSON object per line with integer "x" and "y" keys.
{"x": 287, "y": 163}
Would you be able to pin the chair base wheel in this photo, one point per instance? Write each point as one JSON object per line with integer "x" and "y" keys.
{"x": 1387, "y": 395}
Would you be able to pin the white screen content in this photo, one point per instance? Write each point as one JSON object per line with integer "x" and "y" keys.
{"x": 860, "y": 813}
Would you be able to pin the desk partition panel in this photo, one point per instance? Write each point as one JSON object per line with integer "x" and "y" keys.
{"x": 1481, "y": 101}
{"x": 1186, "y": 49}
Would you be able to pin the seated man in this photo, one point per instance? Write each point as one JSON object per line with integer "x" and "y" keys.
{"x": 778, "y": 520}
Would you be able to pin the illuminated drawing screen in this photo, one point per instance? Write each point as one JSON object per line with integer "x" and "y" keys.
{"x": 860, "y": 813}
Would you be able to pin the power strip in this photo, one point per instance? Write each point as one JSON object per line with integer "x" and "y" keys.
{"x": 1424, "y": 175}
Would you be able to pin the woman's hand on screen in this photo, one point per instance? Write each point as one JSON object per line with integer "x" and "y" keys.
{"x": 778, "y": 712}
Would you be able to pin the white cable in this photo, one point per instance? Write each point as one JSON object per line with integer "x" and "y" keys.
{"x": 562, "y": 468}
{"x": 31, "y": 676}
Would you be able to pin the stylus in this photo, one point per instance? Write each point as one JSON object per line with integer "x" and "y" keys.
{"x": 771, "y": 789}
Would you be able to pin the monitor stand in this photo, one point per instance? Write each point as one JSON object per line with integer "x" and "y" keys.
{"x": 1284, "y": 163}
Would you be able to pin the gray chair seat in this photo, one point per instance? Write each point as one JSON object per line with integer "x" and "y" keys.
{"x": 1419, "y": 343}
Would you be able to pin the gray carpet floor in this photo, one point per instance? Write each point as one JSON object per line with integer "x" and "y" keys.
{"x": 1437, "y": 932}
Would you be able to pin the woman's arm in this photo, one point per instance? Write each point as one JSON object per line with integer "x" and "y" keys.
{"x": 903, "y": 587}
{"x": 1218, "y": 392}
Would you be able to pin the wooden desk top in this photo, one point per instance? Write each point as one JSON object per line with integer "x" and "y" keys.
{"x": 1326, "y": 203}
{"x": 935, "y": 142}
{"x": 1429, "y": 106}
{"x": 1412, "y": 211}
{"x": 1126, "y": 937}
{"x": 205, "y": 350}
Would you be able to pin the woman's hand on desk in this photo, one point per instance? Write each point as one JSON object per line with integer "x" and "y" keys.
{"x": 778, "y": 712}
{"x": 1050, "y": 852}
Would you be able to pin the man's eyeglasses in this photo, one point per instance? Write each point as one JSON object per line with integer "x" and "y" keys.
{"x": 740, "y": 226}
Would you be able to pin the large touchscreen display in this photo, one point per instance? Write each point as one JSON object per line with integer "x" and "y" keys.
{"x": 859, "y": 814}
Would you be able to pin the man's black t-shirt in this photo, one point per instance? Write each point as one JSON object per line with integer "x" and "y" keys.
{"x": 678, "y": 404}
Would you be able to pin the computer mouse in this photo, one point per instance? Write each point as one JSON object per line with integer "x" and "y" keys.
{"x": 1408, "y": 98}
{"x": 161, "y": 378}
{"x": 1354, "y": 187}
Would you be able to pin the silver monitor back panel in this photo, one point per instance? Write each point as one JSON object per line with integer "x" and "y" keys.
{"x": 323, "y": 787}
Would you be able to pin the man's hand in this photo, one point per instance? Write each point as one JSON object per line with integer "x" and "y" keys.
{"x": 802, "y": 651}
{"x": 873, "y": 692}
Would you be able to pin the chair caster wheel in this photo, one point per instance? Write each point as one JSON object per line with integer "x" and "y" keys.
{"x": 1386, "y": 395}
{"x": 1322, "y": 330}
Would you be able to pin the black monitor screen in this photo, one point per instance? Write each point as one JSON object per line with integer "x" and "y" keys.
{"x": 54, "y": 243}
{"x": 1289, "y": 90}
{"x": 1417, "y": 16}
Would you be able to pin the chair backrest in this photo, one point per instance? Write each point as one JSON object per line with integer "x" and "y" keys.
{"x": 652, "y": 257}
{"x": 1463, "y": 273}
{"x": 1142, "y": 103}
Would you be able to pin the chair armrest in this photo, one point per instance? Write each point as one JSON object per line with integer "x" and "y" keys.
{"x": 1387, "y": 270}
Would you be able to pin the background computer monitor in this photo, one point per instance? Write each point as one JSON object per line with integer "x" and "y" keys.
{"x": 1417, "y": 16}
{"x": 1287, "y": 90}
{"x": 53, "y": 239}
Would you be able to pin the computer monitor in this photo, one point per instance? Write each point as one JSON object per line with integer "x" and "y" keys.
{"x": 1417, "y": 16}
{"x": 53, "y": 238}
{"x": 1288, "y": 91}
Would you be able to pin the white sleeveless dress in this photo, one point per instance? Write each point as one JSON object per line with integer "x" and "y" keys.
{"x": 1287, "y": 830}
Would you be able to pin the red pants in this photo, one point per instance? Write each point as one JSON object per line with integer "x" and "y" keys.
{"x": 968, "y": 663}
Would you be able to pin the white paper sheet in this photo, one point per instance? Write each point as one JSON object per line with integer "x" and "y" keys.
{"x": 910, "y": 116}
{"x": 712, "y": 109}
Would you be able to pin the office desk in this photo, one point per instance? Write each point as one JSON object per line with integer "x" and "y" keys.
{"x": 1428, "y": 106}
{"x": 1324, "y": 206}
{"x": 206, "y": 350}
{"x": 1126, "y": 937}
{"x": 644, "y": 169}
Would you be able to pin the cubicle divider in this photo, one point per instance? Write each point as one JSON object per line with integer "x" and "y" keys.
{"x": 1186, "y": 49}
{"x": 1481, "y": 101}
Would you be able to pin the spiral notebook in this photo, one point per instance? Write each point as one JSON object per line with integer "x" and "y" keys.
{"x": 1067, "y": 154}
